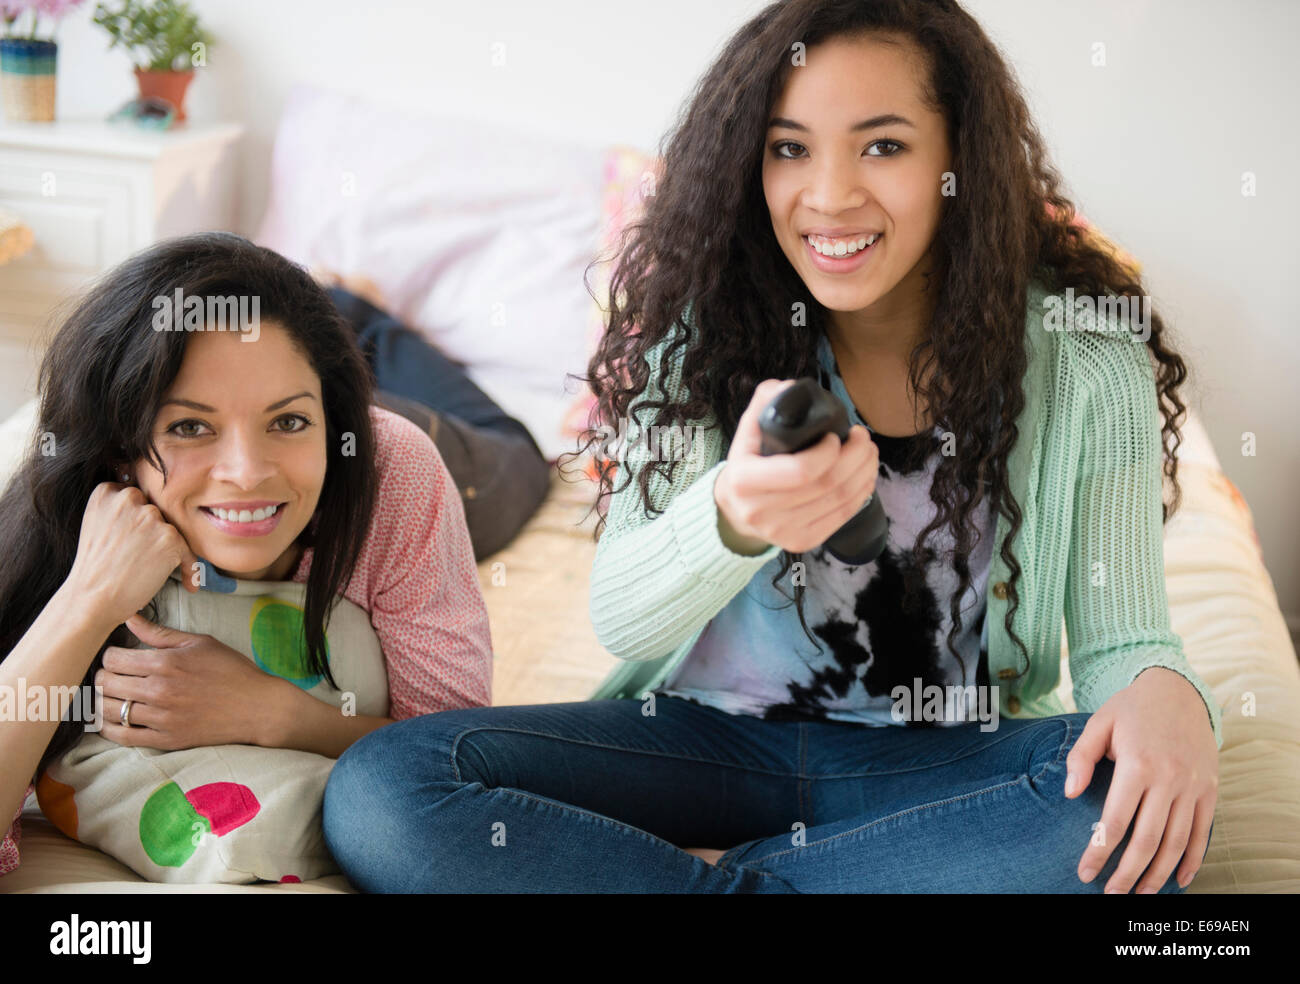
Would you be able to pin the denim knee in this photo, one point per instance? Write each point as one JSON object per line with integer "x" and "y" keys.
{"x": 353, "y": 796}
{"x": 379, "y": 795}
{"x": 397, "y": 757}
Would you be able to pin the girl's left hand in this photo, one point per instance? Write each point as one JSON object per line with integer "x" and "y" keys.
{"x": 1158, "y": 734}
{"x": 186, "y": 692}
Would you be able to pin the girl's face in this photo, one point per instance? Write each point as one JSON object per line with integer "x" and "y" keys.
{"x": 853, "y": 150}
{"x": 242, "y": 432}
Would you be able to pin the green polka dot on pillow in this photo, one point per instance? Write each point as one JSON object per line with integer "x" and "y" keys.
{"x": 170, "y": 827}
{"x": 279, "y": 642}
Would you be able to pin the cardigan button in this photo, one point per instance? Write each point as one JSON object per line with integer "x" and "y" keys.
{"x": 1013, "y": 704}
{"x": 1000, "y": 590}
{"x": 470, "y": 492}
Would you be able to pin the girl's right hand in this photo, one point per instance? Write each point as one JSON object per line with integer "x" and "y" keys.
{"x": 795, "y": 501}
{"x": 125, "y": 553}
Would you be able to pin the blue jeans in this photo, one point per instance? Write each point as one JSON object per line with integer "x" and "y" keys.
{"x": 595, "y": 796}
{"x": 496, "y": 464}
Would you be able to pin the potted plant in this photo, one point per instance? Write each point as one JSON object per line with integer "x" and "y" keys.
{"x": 27, "y": 63}
{"x": 165, "y": 41}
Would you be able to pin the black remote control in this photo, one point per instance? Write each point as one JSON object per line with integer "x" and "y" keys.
{"x": 799, "y": 417}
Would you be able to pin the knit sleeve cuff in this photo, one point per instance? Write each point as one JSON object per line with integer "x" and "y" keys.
{"x": 699, "y": 544}
{"x": 1115, "y": 677}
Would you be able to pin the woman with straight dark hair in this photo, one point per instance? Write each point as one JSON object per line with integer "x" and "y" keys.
{"x": 856, "y": 193}
{"x": 170, "y": 446}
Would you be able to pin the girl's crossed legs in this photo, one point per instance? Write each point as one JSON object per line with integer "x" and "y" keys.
{"x": 593, "y": 796}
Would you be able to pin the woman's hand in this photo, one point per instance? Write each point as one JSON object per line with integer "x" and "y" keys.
{"x": 1159, "y": 736}
{"x": 796, "y": 501}
{"x": 186, "y": 692}
{"x": 125, "y": 552}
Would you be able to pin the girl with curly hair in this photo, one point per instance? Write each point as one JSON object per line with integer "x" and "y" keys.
{"x": 856, "y": 193}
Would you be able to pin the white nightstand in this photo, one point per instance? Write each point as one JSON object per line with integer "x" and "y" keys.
{"x": 94, "y": 193}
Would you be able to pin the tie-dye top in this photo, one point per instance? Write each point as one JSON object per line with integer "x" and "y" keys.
{"x": 755, "y": 658}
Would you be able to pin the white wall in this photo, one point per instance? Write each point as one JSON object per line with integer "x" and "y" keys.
{"x": 1153, "y": 145}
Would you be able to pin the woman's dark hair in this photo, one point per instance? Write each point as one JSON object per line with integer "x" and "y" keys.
{"x": 101, "y": 385}
{"x": 705, "y": 244}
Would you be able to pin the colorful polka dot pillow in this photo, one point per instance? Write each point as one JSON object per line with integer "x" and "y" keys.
{"x": 223, "y": 813}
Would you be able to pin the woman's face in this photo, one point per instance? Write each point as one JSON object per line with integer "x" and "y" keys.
{"x": 241, "y": 429}
{"x": 822, "y": 172}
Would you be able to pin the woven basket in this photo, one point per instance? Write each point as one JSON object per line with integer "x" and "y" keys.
{"x": 27, "y": 74}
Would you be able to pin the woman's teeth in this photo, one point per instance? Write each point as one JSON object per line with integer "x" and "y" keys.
{"x": 244, "y": 515}
{"x": 841, "y": 247}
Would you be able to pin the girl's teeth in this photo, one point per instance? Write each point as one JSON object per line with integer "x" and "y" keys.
{"x": 245, "y": 515}
{"x": 841, "y": 247}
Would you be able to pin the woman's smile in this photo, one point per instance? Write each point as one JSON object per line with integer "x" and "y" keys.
{"x": 252, "y": 518}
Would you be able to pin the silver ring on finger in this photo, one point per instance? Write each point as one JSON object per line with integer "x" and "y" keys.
{"x": 125, "y": 716}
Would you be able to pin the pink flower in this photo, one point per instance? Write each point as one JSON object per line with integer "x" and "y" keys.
{"x": 53, "y": 9}
{"x": 56, "y": 8}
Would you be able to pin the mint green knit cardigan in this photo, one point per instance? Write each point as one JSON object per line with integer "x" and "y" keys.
{"x": 1086, "y": 472}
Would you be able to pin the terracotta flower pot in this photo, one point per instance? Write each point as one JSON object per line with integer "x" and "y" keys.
{"x": 165, "y": 85}
{"x": 27, "y": 79}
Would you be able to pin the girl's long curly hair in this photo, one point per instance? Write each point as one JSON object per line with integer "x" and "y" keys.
{"x": 706, "y": 241}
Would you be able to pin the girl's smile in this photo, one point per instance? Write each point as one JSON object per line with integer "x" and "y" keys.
{"x": 840, "y": 255}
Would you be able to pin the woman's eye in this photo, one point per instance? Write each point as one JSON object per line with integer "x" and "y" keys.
{"x": 290, "y": 423}
{"x": 293, "y": 418}
{"x": 177, "y": 428}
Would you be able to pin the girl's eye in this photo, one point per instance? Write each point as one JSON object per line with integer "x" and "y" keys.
{"x": 777, "y": 148}
{"x": 296, "y": 418}
{"x": 176, "y": 428}
{"x": 893, "y": 143}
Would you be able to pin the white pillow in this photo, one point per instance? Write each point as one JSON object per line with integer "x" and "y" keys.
{"x": 477, "y": 235}
{"x": 223, "y": 813}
